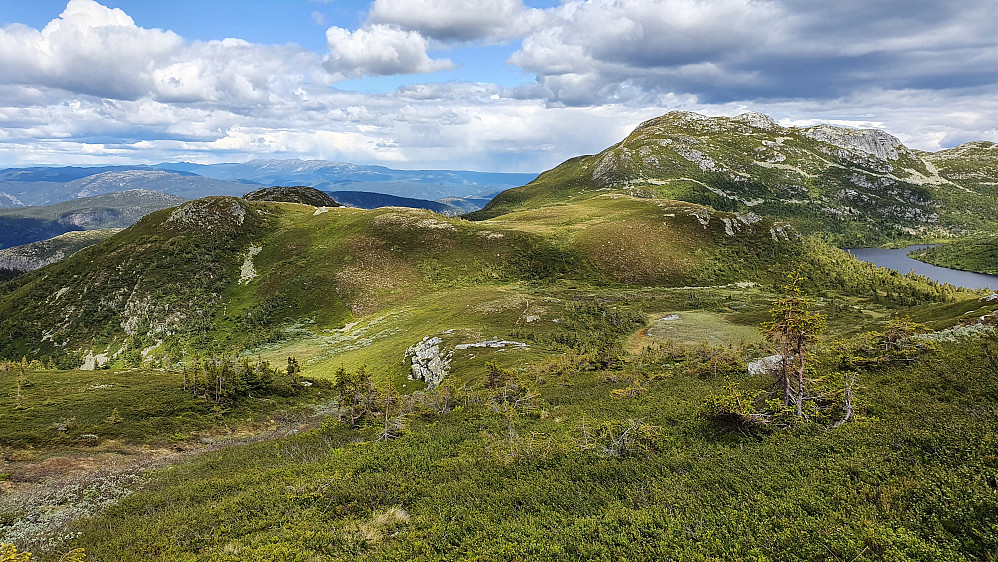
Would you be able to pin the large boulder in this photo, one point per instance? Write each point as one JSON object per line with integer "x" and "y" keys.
{"x": 766, "y": 366}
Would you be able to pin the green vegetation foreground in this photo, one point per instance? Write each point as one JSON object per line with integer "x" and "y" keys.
{"x": 601, "y": 464}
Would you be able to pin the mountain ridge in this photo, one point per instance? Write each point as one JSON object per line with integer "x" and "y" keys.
{"x": 860, "y": 186}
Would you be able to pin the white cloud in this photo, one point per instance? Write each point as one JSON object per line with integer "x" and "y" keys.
{"x": 91, "y": 49}
{"x": 379, "y": 50}
{"x": 94, "y": 88}
{"x": 457, "y": 20}
{"x": 88, "y": 49}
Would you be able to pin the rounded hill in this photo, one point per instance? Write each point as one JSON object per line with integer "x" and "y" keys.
{"x": 294, "y": 194}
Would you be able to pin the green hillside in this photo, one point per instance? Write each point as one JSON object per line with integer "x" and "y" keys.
{"x": 972, "y": 254}
{"x": 855, "y": 187}
{"x": 268, "y": 272}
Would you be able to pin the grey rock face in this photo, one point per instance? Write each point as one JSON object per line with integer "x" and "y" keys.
{"x": 755, "y": 119}
{"x": 429, "y": 363}
{"x": 871, "y": 141}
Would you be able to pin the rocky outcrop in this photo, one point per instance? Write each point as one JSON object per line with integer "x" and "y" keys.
{"x": 209, "y": 214}
{"x": 430, "y": 363}
{"x": 754, "y": 119}
{"x": 871, "y": 141}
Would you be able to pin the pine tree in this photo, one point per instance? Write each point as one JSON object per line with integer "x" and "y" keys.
{"x": 794, "y": 328}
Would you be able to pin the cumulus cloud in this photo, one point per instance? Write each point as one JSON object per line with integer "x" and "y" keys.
{"x": 457, "y": 20}
{"x": 89, "y": 49}
{"x": 380, "y": 50}
{"x": 94, "y": 50}
{"x": 595, "y": 51}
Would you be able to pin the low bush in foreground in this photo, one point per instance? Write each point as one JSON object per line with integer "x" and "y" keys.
{"x": 914, "y": 477}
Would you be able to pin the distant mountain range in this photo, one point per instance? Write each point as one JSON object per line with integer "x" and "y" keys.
{"x": 337, "y": 176}
{"x": 30, "y": 257}
{"x": 450, "y": 206}
{"x": 24, "y": 225}
{"x": 48, "y": 185}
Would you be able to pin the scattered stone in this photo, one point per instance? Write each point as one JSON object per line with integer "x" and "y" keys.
{"x": 499, "y": 344}
{"x": 702, "y": 216}
{"x": 209, "y": 214}
{"x": 730, "y": 226}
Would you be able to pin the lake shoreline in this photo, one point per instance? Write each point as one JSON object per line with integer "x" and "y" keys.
{"x": 899, "y": 260}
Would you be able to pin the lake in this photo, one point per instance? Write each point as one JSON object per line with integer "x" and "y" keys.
{"x": 898, "y": 260}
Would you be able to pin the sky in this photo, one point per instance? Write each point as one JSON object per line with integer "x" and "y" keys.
{"x": 491, "y": 85}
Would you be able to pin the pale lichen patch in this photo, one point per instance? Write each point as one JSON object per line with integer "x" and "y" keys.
{"x": 247, "y": 272}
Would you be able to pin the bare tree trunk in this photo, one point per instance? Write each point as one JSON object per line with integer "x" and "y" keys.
{"x": 847, "y": 407}
{"x": 788, "y": 392}
{"x": 800, "y": 383}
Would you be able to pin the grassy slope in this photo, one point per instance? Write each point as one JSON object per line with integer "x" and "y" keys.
{"x": 915, "y": 478}
{"x": 107, "y": 408}
{"x": 352, "y": 287}
{"x": 317, "y": 272}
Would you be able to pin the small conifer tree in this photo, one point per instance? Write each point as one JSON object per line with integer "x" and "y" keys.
{"x": 794, "y": 329}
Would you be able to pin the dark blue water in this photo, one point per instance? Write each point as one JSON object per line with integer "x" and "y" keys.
{"x": 898, "y": 260}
